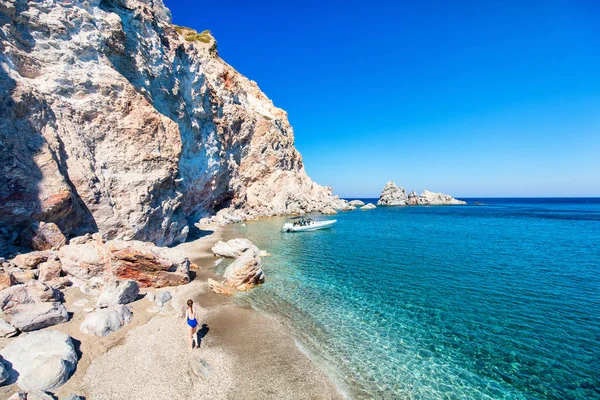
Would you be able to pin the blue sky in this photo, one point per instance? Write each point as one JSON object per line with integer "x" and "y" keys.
{"x": 472, "y": 98}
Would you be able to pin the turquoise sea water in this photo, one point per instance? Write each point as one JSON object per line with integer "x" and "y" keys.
{"x": 500, "y": 300}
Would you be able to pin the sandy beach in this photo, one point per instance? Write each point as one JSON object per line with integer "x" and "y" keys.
{"x": 243, "y": 354}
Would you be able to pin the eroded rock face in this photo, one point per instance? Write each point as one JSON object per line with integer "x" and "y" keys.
{"x": 43, "y": 360}
{"x": 393, "y": 195}
{"x": 112, "y": 121}
{"x": 43, "y": 236}
{"x": 245, "y": 272}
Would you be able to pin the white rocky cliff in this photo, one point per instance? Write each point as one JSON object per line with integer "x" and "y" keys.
{"x": 393, "y": 195}
{"x": 115, "y": 120}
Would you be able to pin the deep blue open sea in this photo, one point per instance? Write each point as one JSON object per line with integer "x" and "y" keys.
{"x": 499, "y": 300}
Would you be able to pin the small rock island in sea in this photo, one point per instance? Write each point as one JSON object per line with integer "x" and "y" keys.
{"x": 393, "y": 195}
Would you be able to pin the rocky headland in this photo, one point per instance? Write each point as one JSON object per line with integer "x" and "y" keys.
{"x": 393, "y": 195}
{"x": 116, "y": 121}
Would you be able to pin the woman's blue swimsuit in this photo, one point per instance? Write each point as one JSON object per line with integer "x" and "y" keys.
{"x": 192, "y": 322}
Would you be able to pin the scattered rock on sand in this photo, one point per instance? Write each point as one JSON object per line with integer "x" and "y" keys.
{"x": 219, "y": 288}
{"x": 43, "y": 360}
{"x": 200, "y": 368}
{"x": 30, "y": 292}
{"x": 81, "y": 303}
{"x": 161, "y": 298}
{"x": 7, "y": 279}
{"x": 34, "y": 316}
{"x": 357, "y": 203}
{"x": 74, "y": 397}
{"x": 369, "y": 206}
{"x": 6, "y": 329}
{"x": 49, "y": 270}
{"x": 32, "y": 259}
{"x": 245, "y": 272}
{"x": 103, "y": 322}
{"x": 118, "y": 292}
{"x": 43, "y": 236}
{"x": 31, "y": 395}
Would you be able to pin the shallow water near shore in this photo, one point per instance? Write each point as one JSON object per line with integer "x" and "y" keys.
{"x": 500, "y": 300}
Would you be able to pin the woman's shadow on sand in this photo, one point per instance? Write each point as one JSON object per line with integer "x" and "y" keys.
{"x": 201, "y": 333}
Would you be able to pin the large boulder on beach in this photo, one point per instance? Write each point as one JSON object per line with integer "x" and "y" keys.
{"x": 43, "y": 236}
{"x": 118, "y": 292}
{"x": 7, "y": 330}
{"x": 84, "y": 259}
{"x": 30, "y": 292}
{"x": 34, "y": 316}
{"x": 149, "y": 265}
{"x": 103, "y": 322}
{"x": 233, "y": 248}
{"x": 41, "y": 360}
{"x": 245, "y": 272}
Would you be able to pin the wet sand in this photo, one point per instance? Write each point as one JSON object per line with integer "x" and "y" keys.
{"x": 244, "y": 354}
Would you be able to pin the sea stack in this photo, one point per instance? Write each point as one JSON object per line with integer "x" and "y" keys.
{"x": 393, "y": 195}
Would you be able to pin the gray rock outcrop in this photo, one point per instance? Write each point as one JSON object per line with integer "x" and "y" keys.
{"x": 368, "y": 207}
{"x": 103, "y": 322}
{"x": 115, "y": 120}
{"x": 393, "y": 195}
{"x": 41, "y": 360}
{"x": 356, "y": 203}
{"x": 118, "y": 292}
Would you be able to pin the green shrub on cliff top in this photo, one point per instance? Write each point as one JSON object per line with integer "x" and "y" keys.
{"x": 191, "y": 35}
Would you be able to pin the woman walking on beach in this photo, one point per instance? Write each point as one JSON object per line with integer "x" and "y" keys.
{"x": 192, "y": 320}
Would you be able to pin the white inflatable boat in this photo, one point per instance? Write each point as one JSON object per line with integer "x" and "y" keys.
{"x": 307, "y": 225}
